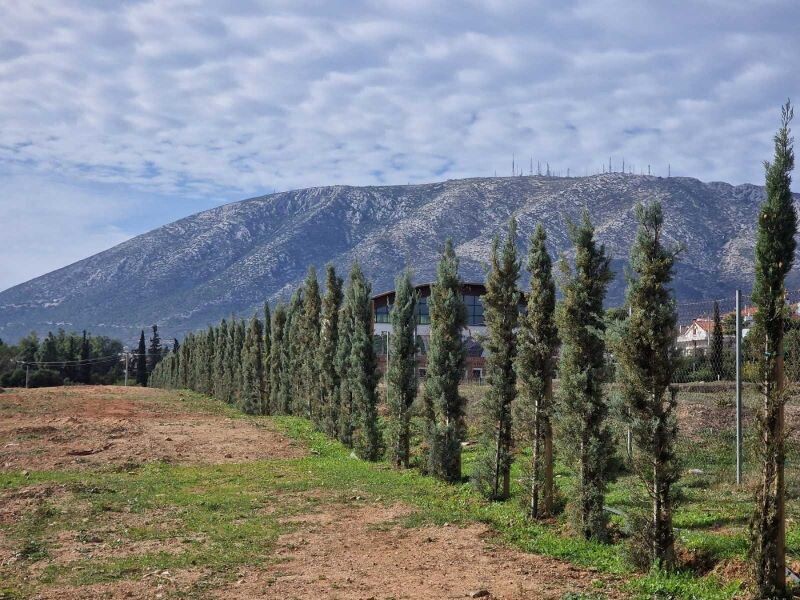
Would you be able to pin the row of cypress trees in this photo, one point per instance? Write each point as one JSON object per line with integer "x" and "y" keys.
{"x": 315, "y": 357}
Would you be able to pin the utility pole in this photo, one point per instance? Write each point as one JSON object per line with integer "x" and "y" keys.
{"x": 738, "y": 387}
{"x": 27, "y": 373}
{"x": 125, "y": 358}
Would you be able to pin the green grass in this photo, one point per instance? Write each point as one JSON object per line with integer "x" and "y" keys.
{"x": 222, "y": 517}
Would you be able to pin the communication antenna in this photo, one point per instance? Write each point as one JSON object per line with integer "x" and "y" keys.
{"x": 513, "y": 166}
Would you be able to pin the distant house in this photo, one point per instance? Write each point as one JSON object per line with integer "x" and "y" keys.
{"x": 695, "y": 339}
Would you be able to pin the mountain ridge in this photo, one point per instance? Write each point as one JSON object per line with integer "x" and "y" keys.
{"x": 231, "y": 258}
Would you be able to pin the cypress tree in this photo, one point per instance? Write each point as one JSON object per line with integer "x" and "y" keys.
{"x": 342, "y": 412}
{"x": 362, "y": 372}
{"x": 209, "y": 347}
{"x": 141, "y": 361}
{"x": 241, "y": 329}
{"x": 402, "y": 375}
{"x": 583, "y": 408}
{"x": 308, "y": 345}
{"x": 154, "y": 351}
{"x": 231, "y": 358}
{"x": 717, "y": 344}
{"x": 646, "y": 365}
{"x": 276, "y": 359}
{"x": 251, "y": 400}
{"x": 538, "y": 343}
{"x": 774, "y": 253}
{"x": 492, "y": 472}
{"x": 291, "y": 384}
{"x": 444, "y": 407}
{"x": 266, "y": 354}
{"x": 220, "y": 356}
{"x": 328, "y": 341}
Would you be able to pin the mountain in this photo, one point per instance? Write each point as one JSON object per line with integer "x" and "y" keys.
{"x": 230, "y": 259}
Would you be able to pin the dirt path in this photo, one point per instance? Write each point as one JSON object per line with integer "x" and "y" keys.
{"x": 85, "y": 427}
{"x": 347, "y": 552}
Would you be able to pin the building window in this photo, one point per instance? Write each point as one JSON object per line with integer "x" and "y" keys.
{"x": 474, "y": 306}
{"x": 423, "y": 316}
{"x": 382, "y": 313}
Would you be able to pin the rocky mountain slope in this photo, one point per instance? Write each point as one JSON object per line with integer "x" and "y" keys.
{"x": 231, "y": 259}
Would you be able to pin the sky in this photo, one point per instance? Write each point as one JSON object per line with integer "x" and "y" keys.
{"x": 117, "y": 117}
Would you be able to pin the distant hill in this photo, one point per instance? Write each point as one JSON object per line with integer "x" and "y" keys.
{"x": 231, "y": 259}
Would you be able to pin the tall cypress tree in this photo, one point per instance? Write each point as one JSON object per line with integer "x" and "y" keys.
{"x": 141, "y": 361}
{"x": 775, "y": 247}
{"x": 231, "y": 363}
{"x": 308, "y": 345}
{"x": 292, "y": 402}
{"x": 444, "y": 406}
{"x": 362, "y": 372}
{"x": 276, "y": 359}
{"x": 266, "y": 355}
{"x": 209, "y": 347}
{"x": 492, "y": 472}
{"x": 154, "y": 352}
{"x": 715, "y": 354}
{"x": 538, "y": 344}
{"x": 402, "y": 375}
{"x": 220, "y": 356}
{"x": 241, "y": 330}
{"x": 342, "y": 412}
{"x": 251, "y": 400}
{"x": 326, "y": 356}
{"x": 647, "y": 359}
{"x": 583, "y": 407}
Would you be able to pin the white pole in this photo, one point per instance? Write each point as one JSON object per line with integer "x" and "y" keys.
{"x": 125, "y": 355}
{"x": 27, "y": 370}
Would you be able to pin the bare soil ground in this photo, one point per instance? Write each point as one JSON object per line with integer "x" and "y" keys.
{"x": 363, "y": 552}
{"x": 327, "y": 550}
{"x": 86, "y": 427}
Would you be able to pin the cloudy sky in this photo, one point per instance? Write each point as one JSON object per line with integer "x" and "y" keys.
{"x": 117, "y": 117}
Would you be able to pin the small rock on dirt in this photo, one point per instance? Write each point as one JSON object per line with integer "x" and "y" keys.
{"x": 479, "y": 594}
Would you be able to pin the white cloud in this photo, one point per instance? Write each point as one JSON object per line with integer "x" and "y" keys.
{"x": 196, "y": 99}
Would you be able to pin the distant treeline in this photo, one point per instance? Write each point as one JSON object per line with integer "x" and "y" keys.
{"x": 61, "y": 358}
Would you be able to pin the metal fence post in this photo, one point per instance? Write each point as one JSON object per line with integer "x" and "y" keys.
{"x": 738, "y": 387}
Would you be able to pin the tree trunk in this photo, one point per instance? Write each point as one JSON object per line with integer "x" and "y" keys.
{"x": 533, "y": 510}
{"x": 771, "y": 544}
